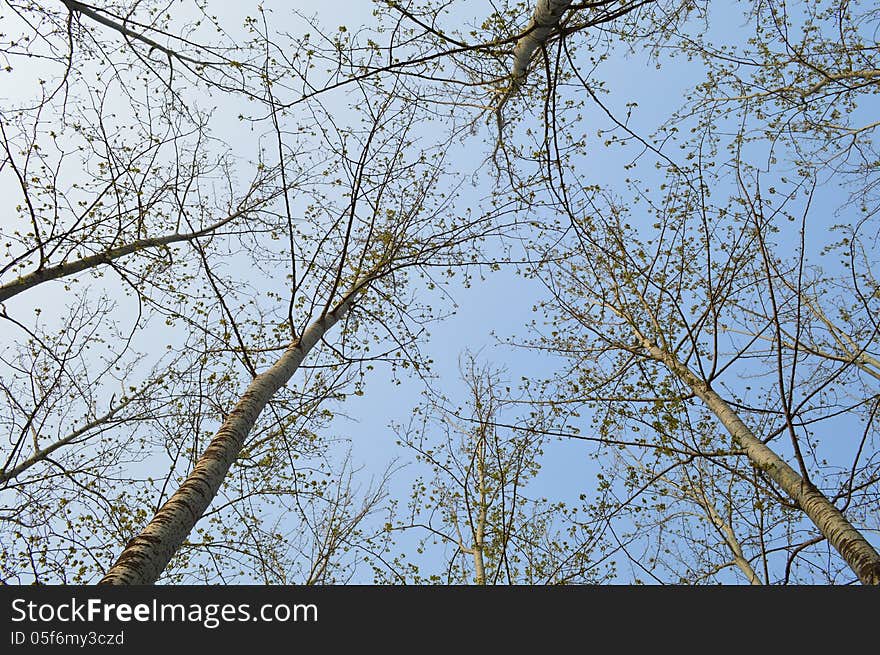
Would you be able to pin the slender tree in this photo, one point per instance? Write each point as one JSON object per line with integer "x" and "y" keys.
{"x": 476, "y": 513}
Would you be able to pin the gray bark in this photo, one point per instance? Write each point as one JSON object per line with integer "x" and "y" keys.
{"x": 856, "y": 551}
{"x": 147, "y": 555}
{"x": 86, "y": 10}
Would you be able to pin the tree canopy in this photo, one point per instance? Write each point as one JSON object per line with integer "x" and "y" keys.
{"x": 267, "y": 278}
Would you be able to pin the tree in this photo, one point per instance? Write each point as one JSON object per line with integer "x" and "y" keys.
{"x": 643, "y": 301}
{"x": 477, "y": 508}
{"x": 97, "y": 192}
{"x": 345, "y": 213}
{"x": 646, "y": 320}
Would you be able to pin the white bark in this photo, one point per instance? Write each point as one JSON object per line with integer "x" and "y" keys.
{"x": 146, "y": 556}
{"x": 543, "y": 22}
{"x": 480, "y": 533}
{"x": 834, "y": 526}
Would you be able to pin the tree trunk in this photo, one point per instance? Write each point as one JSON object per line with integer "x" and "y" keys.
{"x": 739, "y": 559}
{"x": 480, "y": 533}
{"x": 543, "y": 22}
{"x": 146, "y": 556}
{"x": 834, "y": 526}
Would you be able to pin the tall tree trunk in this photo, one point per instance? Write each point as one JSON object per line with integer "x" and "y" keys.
{"x": 834, "y": 526}
{"x": 480, "y": 533}
{"x": 147, "y": 555}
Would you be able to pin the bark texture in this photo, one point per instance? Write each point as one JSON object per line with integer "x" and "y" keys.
{"x": 856, "y": 551}
{"x": 147, "y": 555}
